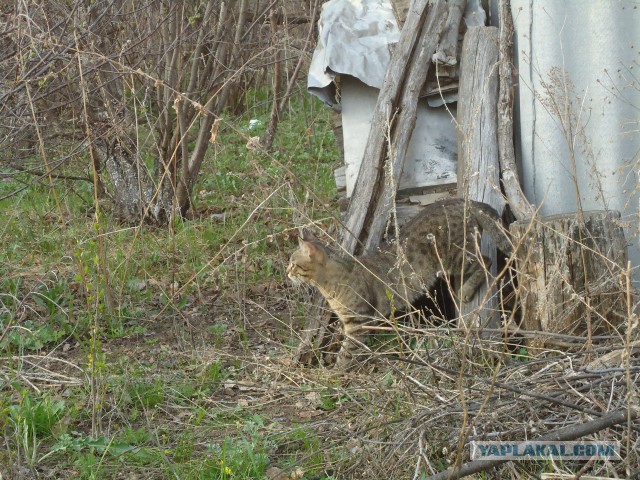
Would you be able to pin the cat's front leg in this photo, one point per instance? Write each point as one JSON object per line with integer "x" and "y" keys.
{"x": 353, "y": 343}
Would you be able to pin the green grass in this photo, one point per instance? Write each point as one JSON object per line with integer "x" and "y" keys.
{"x": 126, "y": 352}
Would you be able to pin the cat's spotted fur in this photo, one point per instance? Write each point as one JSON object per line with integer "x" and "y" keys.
{"x": 360, "y": 289}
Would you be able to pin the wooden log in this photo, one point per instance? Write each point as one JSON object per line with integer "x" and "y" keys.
{"x": 478, "y": 161}
{"x": 336, "y": 126}
{"x": 569, "y": 273}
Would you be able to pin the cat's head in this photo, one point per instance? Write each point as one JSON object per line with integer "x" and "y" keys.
{"x": 308, "y": 260}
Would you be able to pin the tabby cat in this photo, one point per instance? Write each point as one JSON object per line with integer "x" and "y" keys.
{"x": 360, "y": 289}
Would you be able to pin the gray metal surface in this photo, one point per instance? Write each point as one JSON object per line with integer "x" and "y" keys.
{"x": 431, "y": 157}
{"x": 578, "y": 106}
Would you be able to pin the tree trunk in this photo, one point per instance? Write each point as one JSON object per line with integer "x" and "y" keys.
{"x": 157, "y": 196}
{"x": 274, "y": 118}
{"x": 134, "y": 195}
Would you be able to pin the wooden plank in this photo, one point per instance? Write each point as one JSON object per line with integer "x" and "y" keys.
{"x": 478, "y": 163}
{"x": 408, "y": 207}
{"x": 371, "y": 168}
{"x": 401, "y": 10}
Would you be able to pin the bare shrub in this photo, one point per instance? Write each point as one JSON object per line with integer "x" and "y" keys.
{"x": 133, "y": 88}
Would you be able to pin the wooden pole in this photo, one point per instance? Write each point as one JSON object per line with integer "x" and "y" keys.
{"x": 424, "y": 24}
{"x": 520, "y": 206}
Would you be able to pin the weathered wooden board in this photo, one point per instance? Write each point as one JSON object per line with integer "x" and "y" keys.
{"x": 478, "y": 161}
{"x": 569, "y": 273}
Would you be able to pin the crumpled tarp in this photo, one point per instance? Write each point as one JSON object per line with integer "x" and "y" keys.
{"x": 354, "y": 38}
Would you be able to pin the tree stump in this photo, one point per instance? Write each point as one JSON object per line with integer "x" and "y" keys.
{"x": 570, "y": 269}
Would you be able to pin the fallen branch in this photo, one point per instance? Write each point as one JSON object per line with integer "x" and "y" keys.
{"x": 520, "y": 206}
{"x": 504, "y": 386}
{"x": 571, "y": 432}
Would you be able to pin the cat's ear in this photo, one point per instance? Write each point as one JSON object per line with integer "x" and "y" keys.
{"x": 306, "y": 236}
{"x": 314, "y": 251}
{"x": 310, "y": 246}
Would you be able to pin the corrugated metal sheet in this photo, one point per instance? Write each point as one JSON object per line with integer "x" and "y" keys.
{"x": 578, "y": 106}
